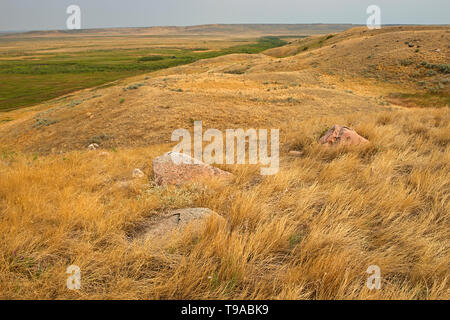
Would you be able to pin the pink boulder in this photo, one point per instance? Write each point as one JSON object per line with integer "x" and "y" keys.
{"x": 340, "y": 135}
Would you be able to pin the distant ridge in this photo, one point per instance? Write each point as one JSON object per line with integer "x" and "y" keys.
{"x": 207, "y": 29}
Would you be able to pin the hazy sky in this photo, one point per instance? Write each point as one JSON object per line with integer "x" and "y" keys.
{"x": 51, "y": 14}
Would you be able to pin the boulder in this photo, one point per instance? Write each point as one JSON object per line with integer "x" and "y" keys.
{"x": 341, "y": 135}
{"x": 177, "y": 220}
{"x": 178, "y": 169}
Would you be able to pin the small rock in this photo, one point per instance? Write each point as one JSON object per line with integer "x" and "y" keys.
{"x": 93, "y": 146}
{"x": 295, "y": 153}
{"x": 438, "y": 50}
{"x": 137, "y": 173}
{"x": 341, "y": 135}
{"x": 178, "y": 168}
{"x": 178, "y": 220}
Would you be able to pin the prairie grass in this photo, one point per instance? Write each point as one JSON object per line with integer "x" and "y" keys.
{"x": 309, "y": 232}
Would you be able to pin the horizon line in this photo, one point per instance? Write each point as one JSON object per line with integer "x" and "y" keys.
{"x": 212, "y": 24}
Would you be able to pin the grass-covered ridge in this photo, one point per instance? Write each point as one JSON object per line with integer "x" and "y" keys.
{"x": 27, "y": 80}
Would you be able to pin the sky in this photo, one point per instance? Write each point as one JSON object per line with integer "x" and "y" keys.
{"x": 22, "y": 15}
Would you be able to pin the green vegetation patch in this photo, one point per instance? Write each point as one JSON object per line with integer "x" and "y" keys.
{"x": 25, "y": 82}
{"x": 151, "y": 58}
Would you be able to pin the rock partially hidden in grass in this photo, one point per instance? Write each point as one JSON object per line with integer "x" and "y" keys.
{"x": 137, "y": 173}
{"x": 179, "y": 169}
{"x": 177, "y": 220}
{"x": 295, "y": 153}
{"x": 93, "y": 146}
{"x": 341, "y": 135}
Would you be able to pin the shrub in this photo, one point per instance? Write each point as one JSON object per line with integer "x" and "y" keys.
{"x": 43, "y": 122}
{"x": 442, "y": 68}
{"x": 99, "y": 139}
{"x": 151, "y": 58}
{"x": 134, "y": 86}
{"x": 74, "y": 103}
{"x": 406, "y": 62}
{"x": 235, "y": 72}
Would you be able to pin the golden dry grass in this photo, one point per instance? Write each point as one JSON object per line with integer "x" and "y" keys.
{"x": 309, "y": 232}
